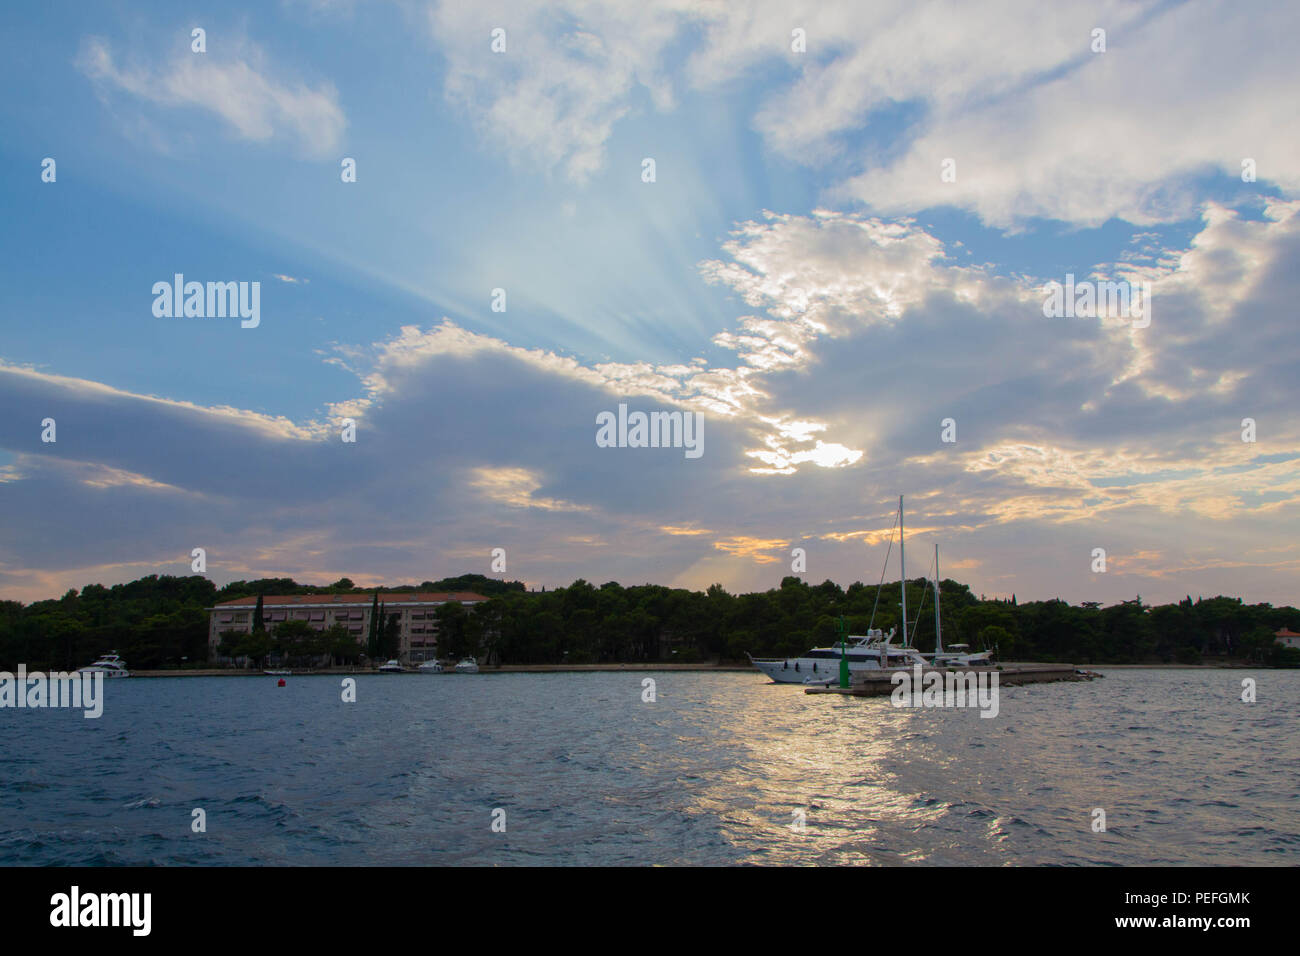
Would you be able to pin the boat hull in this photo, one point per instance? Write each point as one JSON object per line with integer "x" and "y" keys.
{"x": 803, "y": 670}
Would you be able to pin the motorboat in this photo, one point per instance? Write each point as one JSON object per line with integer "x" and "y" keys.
{"x": 391, "y": 667}
{"x": 874, "y": 652}
{"x": 467, "y": 666}
{"x": 277, "y": 673}
{"x": 110, "y": 665}
{"x": 430, "y": 667}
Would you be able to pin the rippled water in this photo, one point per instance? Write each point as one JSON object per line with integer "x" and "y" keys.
{"x": 711, "y": 772}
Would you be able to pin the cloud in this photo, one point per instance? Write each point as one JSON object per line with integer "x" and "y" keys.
{"x": 237, "y": 88}
{"x": 515, "y": 487}
{"x": 1182, "y": 92}
{"x": 754, "y": 549}
{"x": 568, "y": 74}
{"x": 466, "y": 442}
{"x": 1037, "y": 123}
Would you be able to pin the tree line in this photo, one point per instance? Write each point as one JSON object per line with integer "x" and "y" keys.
{"x": 161, "y": 621}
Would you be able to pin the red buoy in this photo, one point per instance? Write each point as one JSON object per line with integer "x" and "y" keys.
{"x": 281, "y": 684}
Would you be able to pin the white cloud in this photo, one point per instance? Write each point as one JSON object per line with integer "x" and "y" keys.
{"x": 237, "y": 88}
{"x": 1039, "y": 126}
{"x": 1126, "y": 133}
{"x": 569, "y": 73}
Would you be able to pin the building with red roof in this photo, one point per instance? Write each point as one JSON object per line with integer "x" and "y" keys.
{"x": 1287, "y": 637}
{"x": 415, "y": 611}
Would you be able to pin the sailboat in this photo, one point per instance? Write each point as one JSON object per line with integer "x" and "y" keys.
{"x": 873, "y": 652}
{"x": 958, "y": 655}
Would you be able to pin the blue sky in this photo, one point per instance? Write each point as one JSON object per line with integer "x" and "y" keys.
{"x": 798, "y": 272}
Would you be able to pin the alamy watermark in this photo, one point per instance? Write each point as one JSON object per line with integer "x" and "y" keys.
{"x": 56, "y": 689}
{"x": 1106, "y": 299}
{"x": 655, "y": 430}
{"x": 215, "y": 300}
{"x": 974, "y": 688}
{"x": 129, "y": 910}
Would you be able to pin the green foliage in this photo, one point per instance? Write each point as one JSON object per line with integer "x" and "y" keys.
{"x": 477, "y": 583}
{"x": 341, "y": 646}
{"x": 298, "y": 643}
{"x": 152, "y": 622}
{"x": 158, "y": 620}
{"x": 256, "y": 646}
{"x": 373, "y": 636}
{"x": 390, "y": 633}
{"x": 229, "y": 642}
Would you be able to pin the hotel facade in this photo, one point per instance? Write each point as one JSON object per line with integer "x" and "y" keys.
{"x": 415, "y": 612}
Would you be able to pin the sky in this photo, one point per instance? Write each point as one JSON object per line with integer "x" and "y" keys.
{"x": 826, "y": 230}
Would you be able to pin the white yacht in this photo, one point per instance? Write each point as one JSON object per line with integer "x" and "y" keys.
{"x": 110, "y": 665}
{"x": 871, "y": 653}
{"x": 391, "y": 667}
{"x": 430, "y": 667}
{"x": 467, "y": 666}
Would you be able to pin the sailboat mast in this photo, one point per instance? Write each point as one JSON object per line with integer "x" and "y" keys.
{"x": 902, "y": 567}
{"x": 938, "y": 631}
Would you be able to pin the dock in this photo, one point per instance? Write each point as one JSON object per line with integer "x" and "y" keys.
{"x": 881, "y": 684}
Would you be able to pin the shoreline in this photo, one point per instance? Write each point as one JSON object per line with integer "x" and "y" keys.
{"x": 615, "y": 668}
{"x": 505, "y": 669}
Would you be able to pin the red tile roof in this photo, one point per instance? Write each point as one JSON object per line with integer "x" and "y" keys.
{"x": 354, "y": 597}
{"x": 1285, "y": 633}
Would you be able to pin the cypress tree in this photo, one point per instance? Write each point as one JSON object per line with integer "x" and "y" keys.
{"x": 372, "y": 639}
{"x": 259, "y": 622}
{"x": 392, "y": 635}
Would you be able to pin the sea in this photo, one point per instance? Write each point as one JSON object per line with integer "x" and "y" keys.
{"x": 1143, "y": 767}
